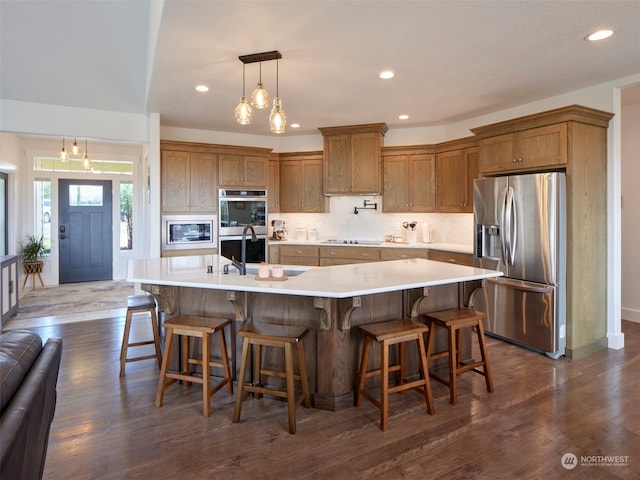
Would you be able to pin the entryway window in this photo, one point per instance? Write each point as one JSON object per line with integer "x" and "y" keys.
{"x": 42, "y": 202}
{"x": 126, "y": 215}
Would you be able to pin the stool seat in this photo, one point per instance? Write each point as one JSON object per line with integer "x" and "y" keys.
{"x": 140, "y": 304}
{"x": 188, "y": 327}
{"x": 454, "y": 320}
{"x": 281, "y": 336}
{"x": 387, "y": 334}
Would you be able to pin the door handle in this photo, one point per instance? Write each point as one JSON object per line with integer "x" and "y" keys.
{"x": 62, "y": 236}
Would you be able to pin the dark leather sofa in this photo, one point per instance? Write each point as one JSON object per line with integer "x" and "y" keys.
{"x": 28, "y": 378}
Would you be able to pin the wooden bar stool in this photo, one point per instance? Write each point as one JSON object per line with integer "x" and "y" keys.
{"x": 197, "y": 327}
{"x": 454, "y": 321}
{"x": 140, "y": 304}
{"x": 387, "y": 334}
{"x": 280, "y": 336}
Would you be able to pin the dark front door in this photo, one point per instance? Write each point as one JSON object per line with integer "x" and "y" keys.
{"x": 85, "y": 231}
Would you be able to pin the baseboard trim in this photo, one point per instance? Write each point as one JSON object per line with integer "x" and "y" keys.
{"x": 585, "y": 350}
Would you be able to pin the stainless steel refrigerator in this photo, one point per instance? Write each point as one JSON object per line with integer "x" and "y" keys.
{"x": 520, "y": 223}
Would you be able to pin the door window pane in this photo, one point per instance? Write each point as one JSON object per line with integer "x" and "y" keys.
{"x": 42, "y": 204}
{"x": 85, "y": 195}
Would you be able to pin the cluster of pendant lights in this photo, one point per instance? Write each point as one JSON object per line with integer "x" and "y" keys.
{"x": 260, "y": 96}
{"x": 66, "y": 155}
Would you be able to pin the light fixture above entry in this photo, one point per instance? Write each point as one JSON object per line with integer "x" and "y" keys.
{"x": 599, "y": 35}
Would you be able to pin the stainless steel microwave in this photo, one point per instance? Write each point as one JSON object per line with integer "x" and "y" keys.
{"x": 182, "y": 232}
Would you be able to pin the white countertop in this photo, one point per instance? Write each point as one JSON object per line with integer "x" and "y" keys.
{"x": 449, "y": 247}
{"x": 342, "y": 281}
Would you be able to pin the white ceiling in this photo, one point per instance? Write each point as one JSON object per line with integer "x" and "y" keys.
{"x": 453, "y": 59}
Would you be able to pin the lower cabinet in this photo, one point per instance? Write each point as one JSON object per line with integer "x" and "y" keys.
{"x": 347, "y": 255}
{"x": 299, "y": 255}
{"x": 8, "y": 286}
{"x": 451, "y": 257}
{"x": 403, "y": 253}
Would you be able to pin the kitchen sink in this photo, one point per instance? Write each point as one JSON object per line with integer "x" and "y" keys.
{"x": 288, "y": 272}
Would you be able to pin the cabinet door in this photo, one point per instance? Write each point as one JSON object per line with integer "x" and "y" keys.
{"x": 365, "y": 166}
{"x": 175, "y": 180}
{"x": 395, "y": 188}
{"x": 230, "y": 170}
{"x": 472, "y": 156}
{"x": 290, "y": 188}
{"x": 498, "y": 154}
{"x": 313, "y": 199}
{"x": 422, "y": 183}
{"x": 273, "y": 187}
{"x": 204, "y": 174}
{"x": 452, "y": 181}
{"x": 337, "y": 164}
{"x": 255, "y": 171}
{"x": 543, "y": 147}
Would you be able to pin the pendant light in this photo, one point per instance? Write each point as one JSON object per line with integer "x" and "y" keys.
{"x": 64, "y": 155}
{"x": 86, "y": 161}
{"x": 244, "y": 112}
{"x": 75, "y": 149}
{"x": 277, "y": 119}
{"x": 260, "y": 96}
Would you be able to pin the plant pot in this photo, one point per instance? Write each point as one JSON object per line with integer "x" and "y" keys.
{"x": 32, "y": 267}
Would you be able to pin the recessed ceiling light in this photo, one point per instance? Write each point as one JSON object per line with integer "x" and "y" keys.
{"x": 387, "y": 74}
{"x": 403, "y": 117}
{"x": 295, "y": 125}
{"x": 599, "y": 35}
{"x": 202, "y": 88}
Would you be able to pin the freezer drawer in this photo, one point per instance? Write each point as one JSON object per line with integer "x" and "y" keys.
{"x": 522, "y": 312}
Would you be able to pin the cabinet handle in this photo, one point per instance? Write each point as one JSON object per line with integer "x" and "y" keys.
{"x": 404, "y": 255}
{"x": 364, "y": 254}
{"x": 298, "y": 252}
{"x": 451, "y": 260}
{"x": 332, "y": 253}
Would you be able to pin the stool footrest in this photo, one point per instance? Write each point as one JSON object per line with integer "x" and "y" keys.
{"x": 137, "y": 359}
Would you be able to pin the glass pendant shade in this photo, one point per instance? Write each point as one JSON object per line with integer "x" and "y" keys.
{"x": 244, "y": 112}
{"x": 86, "y": 161}
{"x": 260, "y": 97}
{"x": 75, "y": 149}
{"x": 277, "y": 119}
{"x": 64, "y": 155}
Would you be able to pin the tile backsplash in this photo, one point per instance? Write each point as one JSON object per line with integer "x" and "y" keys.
{"x": 371, "y": 224}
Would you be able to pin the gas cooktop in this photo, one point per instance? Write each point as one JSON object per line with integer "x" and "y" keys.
{"x": 354, "y": 242}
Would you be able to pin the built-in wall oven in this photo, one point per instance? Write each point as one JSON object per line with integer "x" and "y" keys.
{"x": 183, "y": 232}
{"x": 237, "y": 210}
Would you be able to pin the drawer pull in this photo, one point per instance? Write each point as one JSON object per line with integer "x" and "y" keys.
{"x": 452, "y": 260}
{"x": 404, "y": 255}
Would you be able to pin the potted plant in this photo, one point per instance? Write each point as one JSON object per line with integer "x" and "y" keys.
{"x": 31, "y": 252}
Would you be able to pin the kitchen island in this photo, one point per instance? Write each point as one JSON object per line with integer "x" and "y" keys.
{"x": 330, "y": 301}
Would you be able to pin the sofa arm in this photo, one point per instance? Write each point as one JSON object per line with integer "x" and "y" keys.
{"x": 26, "y": 422}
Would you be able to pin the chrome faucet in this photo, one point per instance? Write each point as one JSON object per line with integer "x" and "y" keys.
{"x": 242, "y": 264}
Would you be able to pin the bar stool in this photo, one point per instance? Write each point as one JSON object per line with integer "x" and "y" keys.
{"x": 196, "y": 327}
{"x": 454, "y": 321}
{"x": 387, "y": 334}
{"x": 280, "y": 336}
{"x": 140, "y": 304}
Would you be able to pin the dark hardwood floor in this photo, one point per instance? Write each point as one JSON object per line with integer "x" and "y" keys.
{"x": 108, "y": 427}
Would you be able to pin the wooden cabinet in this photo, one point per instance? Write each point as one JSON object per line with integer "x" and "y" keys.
{"x": 301, "y": 183}
{"x": 534, "y": 148}
{"x": 299, "y": 255}
{"x": 274, "y": 254}
{"x": 573, "y": 139}
{"x": 352, "y": 159}
{"x": 409, "y": 179}
{"x": 240, "y": 170}
{"x": 457, "y": 168}
{"x": 403, "y": 253}
{"x": 347, "y": 255}
{"x": 8, "y": 287}
{"x": 273, "y": 184}
{"x": 188, "y": 181}
{"x": 451, "y": 257}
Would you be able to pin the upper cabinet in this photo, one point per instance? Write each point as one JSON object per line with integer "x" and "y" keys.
{"x": 409, "y": 179}
{"x": 273, "y": 184}
{"x": 301, "y": 183}
{"x": 530, "y": 149}
{"x": 188, "y": 179}
{"x": 192, "y": 172}
{"x": 352, "y": 159}
{"x": 242, "y": 170}
{"x": 457, "y": 167}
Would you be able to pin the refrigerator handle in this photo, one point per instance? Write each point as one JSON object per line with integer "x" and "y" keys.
{"x": 506, "y": 222}
{"x": 504, "y": 231}
{"x": 513, "y": 225}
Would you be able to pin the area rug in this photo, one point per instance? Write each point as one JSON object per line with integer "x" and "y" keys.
{"x": 73, "y": 298}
